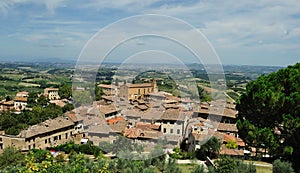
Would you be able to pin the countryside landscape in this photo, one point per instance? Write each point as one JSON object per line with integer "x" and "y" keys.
{"x": 150, "y": 86}
{"x": 48, "y": 130}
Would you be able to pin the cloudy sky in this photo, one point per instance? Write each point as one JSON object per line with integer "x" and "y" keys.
{"x": 262, "y": 32}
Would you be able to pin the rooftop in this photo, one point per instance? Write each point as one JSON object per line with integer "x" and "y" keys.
{"x": 140, "y": 85}
{"x": 46, "y": 126}
{"x": 20, "y": 99}
{"x": 227, "y": 127}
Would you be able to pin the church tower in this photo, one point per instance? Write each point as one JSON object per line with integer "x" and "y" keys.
{"x": 154, "y": 84}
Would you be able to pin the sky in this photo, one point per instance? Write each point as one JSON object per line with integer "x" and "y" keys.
{"x": 242, "y": 32}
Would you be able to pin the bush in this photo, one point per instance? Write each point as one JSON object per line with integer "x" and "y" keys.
{"x": 282, "y": 167}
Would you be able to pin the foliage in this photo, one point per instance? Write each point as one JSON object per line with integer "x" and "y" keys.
{"x": 32, "y": 98}
{"x": 269, "y": 113}
{"x": 211, "y": 149}
{"x": 68, "y": 107}
{"x": 14, "y": 123}
{"x": 227, "y": 164}
{"x": 231, "y": 144}
{"x": 65, "y": 91}
{"x": 199, "y": 169}
{"x": 98, "y": 92}
{"x": 178, "y": 154}
{"x": 10, "y": 157}
{"x": 282, "y": 167}
{"x": 88, "y": 148}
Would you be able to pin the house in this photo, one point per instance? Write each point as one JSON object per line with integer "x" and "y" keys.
{"x": 108, "y": 110}
{"x": 22, "y": 94}
{"x": 51, "y": 93}
{"x": 7, "y": 105}
{"x": 137, "y": 91}
{"x": 49, "y": 133}
{"x": 229, "y": 129}
{"x": 109, "y": 90}
{"x": 20, "y": 103}
{"x": 173, "y": 121}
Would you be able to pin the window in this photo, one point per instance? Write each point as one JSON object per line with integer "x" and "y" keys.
{"x": 49, "y": 140}
{"x": 46, "y": 141}
{"x": 178, "y": 131}
{"x": 55, "y": 138}
{"x": 33, "y": 146}
{"x": 165, "y": 130}
{"x": 28, "y": 147}
{"x": 171, "y": 130}
{"x": 83, "y": 135}
{"x": 59, "y": 137}
{"x": 66, "y": 135}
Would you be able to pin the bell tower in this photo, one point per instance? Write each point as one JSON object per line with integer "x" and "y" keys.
{"x": 154, "y": 84}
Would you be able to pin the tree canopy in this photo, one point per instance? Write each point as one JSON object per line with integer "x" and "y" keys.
{"x": 269, "y": 113}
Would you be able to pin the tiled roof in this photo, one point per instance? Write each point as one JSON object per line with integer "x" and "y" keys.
{"x": 20, "y": 99}
{"x": 227, "y": 127}
{"x": 239, "y": 141}
{"x": 107, "y": 86}
{"x": 141, "y": 85}
{"x": 46, "y": 126}
{"x": 115, "y": 120}
{"x": 118, "y": 127}
{"x": 107, "y": 109}
{"x": 147, "y": 126}
{"x": 99, "y": 128}
{"x": 132, "y": 133}
{"x": 232, "y": 152}
{"x": 91, "y": 120}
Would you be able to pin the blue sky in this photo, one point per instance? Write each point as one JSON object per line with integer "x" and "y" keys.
{"x": 262, "y": 32}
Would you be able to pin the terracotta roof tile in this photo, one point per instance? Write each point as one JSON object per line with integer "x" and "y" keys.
{"x": 232, "y": 152}
{"x": 227, "y": 127}
{"x": 115, "y": 120}
{"x": 46, "y": 126}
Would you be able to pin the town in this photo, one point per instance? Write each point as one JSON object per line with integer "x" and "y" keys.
{"x": 143, "y": 112}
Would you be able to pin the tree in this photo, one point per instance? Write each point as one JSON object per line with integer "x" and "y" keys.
{"x": 228, "y": 165}
{"x": 32, "y": 98}
{"x": 10, "y": 156}
{"x": 269, "y": 113}
{"x": 282, "y": 167}
{"x": 231, "y": 144}
{"x": 42, "y": 101}
{"x": 211, "y": 149}
{"x": 65, "y": 91}
{"x": 98, "y": 92}
{"x": 68, "y": 107}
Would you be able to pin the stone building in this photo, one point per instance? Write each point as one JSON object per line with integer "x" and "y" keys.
{"x": 46, "y": 134}
{"x": 51, "y": 93}
{"x": 137, "y": 91}
{"x": 20, "y": 103}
